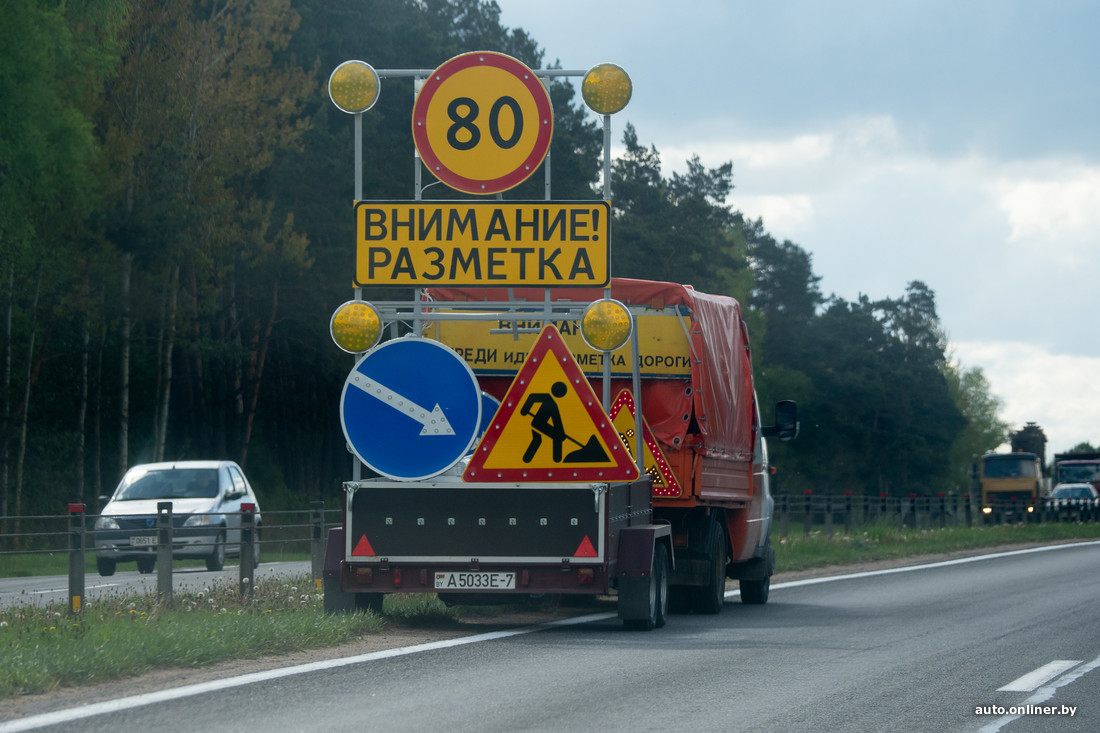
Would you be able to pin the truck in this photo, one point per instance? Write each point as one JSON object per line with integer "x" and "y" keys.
{"x": 657, "y": 492}
{"x": 1011, "y": 484}
{"x": 1081, "y": 467}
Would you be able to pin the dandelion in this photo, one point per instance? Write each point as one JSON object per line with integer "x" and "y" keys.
{"x": 4, "y": 624}
{"x": 222, "y": 611}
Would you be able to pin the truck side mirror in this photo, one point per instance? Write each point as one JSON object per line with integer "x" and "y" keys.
{"x": 786, "y": 422}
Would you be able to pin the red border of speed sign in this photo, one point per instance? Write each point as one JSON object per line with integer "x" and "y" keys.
{"x": 520, "y": 72}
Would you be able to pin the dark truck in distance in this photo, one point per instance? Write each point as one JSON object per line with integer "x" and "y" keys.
{"x": 699, "y": 513}
{"x": 1076, "y": 468}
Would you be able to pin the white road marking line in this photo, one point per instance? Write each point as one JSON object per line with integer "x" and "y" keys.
{"x": 1040, "y": 676}
{"x": 1042, "y": 695}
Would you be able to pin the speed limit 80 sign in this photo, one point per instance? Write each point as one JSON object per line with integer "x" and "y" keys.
{"x": 482, "y": 122}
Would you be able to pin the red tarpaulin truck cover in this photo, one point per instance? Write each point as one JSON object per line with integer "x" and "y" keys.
{"x": 715, "y": 412}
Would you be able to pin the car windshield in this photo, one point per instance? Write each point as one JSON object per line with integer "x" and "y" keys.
{"x": 173, "y": 483}
{"x": 1073, "y": 492}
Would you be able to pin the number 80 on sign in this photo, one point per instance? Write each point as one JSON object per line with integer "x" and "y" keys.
{"x": 482, "y": 122}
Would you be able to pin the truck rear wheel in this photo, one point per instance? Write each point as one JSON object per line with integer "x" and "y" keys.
{"x": 710, "y": 598}
{"x": 755, "y": 592}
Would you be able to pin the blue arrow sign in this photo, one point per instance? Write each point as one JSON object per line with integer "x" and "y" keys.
{"x": 410, "y": 409}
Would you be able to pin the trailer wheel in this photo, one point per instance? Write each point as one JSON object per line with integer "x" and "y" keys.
{"x": 710, "y": 598}
{"x": 662, "y": 568}
{"x": 658, "y": 594}
{"x": 369, "y": 602}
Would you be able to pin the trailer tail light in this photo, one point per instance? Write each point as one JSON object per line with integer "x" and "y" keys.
{"x": 365, "y": 575}
{"x": 586, "y": 576}
{"x": 397, "y": 577}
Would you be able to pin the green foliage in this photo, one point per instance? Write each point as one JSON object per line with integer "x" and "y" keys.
{"x": 884, "y": 541}
{"x": 128, "y": 635}
{"x": 984, "y": 430}
{"x": 175, "y": 226}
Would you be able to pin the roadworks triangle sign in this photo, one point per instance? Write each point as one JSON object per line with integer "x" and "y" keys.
{"x": 550, "y": 426}
{"x": 656, "y": 465}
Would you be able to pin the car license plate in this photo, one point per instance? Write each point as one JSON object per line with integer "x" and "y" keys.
{"x": 475, "y": 581}
{"x": 143, "y": 541}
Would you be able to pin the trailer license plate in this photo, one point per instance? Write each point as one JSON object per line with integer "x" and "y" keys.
{"x": 475, "y": 581}
{"x": 143, "y": 541}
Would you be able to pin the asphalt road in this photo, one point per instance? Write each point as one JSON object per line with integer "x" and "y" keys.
{"x": 41, "y": 590}
{"x": 913, "y": 650}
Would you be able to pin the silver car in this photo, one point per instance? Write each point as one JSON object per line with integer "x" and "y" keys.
{"x": 206, "y": 501}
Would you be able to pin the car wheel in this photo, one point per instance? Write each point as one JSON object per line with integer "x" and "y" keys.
{"x": 216, "y": 560}
{"x": 146, "y": 565}
{"x": 105, "y": 566}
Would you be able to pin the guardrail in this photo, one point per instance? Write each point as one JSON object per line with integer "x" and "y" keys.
{"x": 831, "y": 513}
{"x": 75, "y": 534}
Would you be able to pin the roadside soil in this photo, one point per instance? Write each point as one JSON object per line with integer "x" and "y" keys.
{"x": 393, "y": 637}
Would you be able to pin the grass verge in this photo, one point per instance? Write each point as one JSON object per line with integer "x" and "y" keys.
{"x": 884, "y": 541}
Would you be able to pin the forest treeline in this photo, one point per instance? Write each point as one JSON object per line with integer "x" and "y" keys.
{"x": 176, "y": 230}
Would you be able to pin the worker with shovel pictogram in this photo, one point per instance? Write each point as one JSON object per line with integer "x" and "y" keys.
{"x": 546, "y": 421}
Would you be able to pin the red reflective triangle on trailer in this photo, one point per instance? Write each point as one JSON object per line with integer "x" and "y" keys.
{"x": 363, "y": 547}
{"x": 585, "y": 549}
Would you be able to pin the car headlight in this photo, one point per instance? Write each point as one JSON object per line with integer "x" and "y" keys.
{"x": 106, "y": 523}
{"x": 203, "y": 520}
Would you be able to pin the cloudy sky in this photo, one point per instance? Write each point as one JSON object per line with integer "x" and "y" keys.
{"x": 955, "y": 142}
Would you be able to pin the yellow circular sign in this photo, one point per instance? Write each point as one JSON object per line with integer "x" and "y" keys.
{"x": 482, "y": 122}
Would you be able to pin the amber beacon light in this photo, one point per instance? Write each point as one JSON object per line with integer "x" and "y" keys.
{"x": 606, "y": 89}
{"x": 353, "y": 87}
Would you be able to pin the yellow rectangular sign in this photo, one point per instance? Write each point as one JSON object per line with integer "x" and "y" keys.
{"x": 438, "y": 243}
{"x": 490, "y": 347}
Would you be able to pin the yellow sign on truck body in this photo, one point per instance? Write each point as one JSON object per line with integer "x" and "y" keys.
{"x": 497, "y": 347}
{"x": 430, "y": 243}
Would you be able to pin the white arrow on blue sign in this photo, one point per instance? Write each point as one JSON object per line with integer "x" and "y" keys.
{"x": 410, "y": 409}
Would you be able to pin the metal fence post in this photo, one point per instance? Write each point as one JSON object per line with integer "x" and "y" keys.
{"x": 76, "y": 557}
{"x": 847, "y": 513}
{"x": 164, "y": 551}
{"x": 808, "y": 519}
{"x": 248, "y": 555}
{"x": 317, "y": 542}
{"x": 829, "y": 509}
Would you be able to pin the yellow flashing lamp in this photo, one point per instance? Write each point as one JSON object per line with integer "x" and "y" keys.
{"x": 353, "y": 87}
{"x": 606, "y": 88}
{"x": 355, "y": 326}
{"x": 606, "y": 325}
